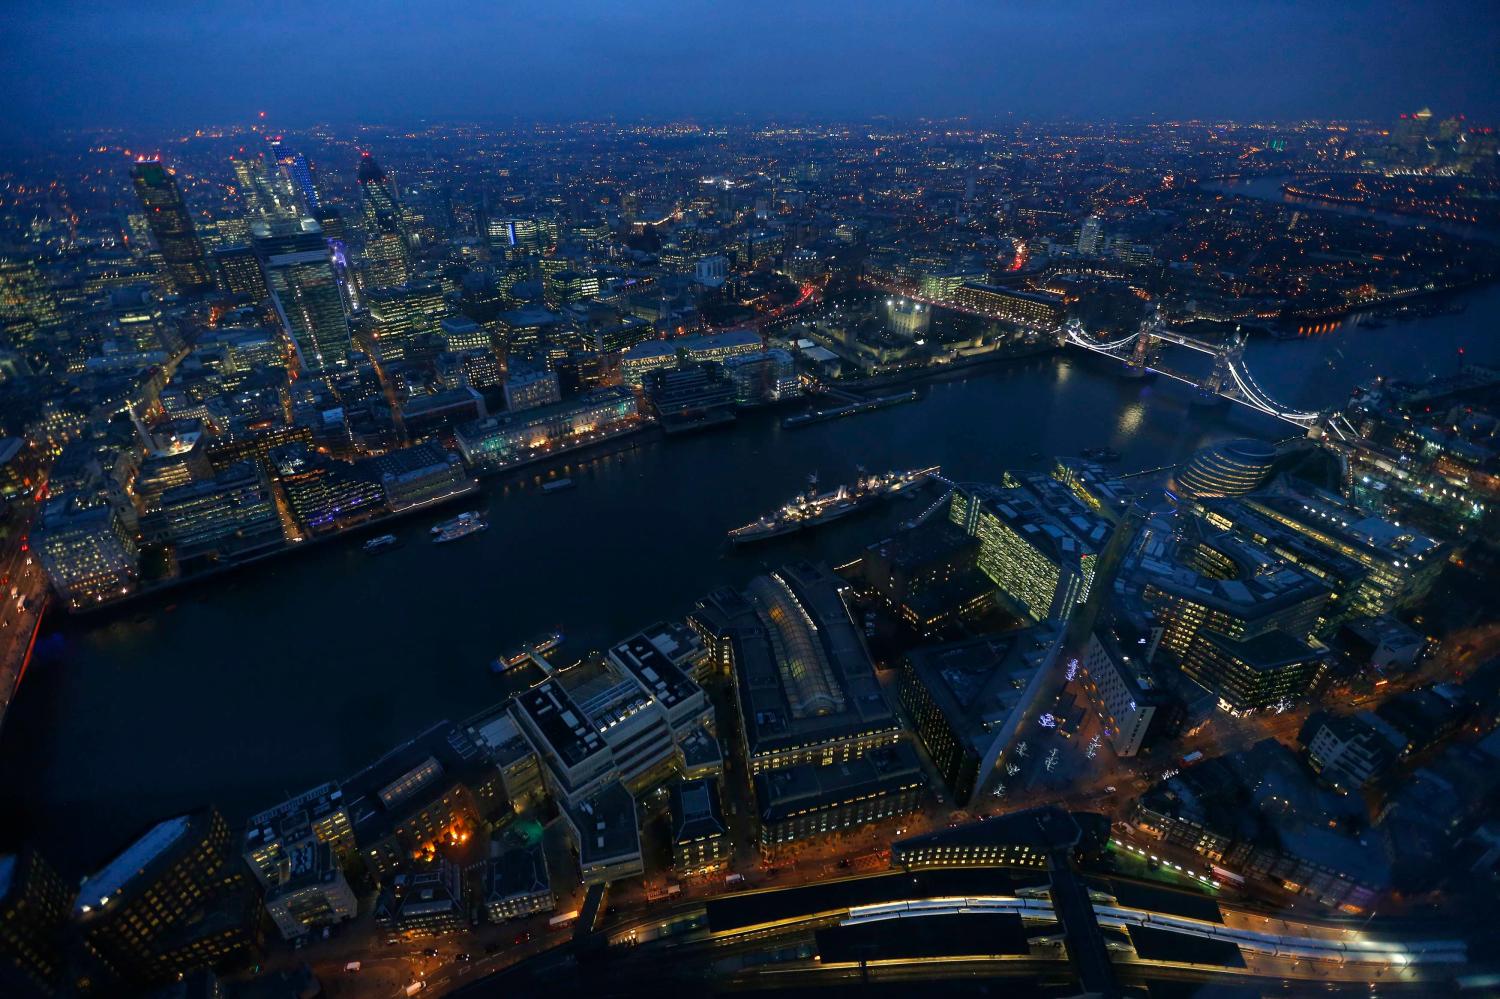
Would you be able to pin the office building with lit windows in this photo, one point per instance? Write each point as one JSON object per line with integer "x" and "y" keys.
{"x": 232, "y": 514}
{"x": 1403, "y": 562}
{"x": 175, "y": 900}
{"x": 928, "y": 577}
{"x": 805, "y": 688}
{"x": 1228, "y": 468}
{"x": 460, "y": 333}
{"x": 810, "y": 800}
{"x": 402, "y": 314}
{"x": 618, "y": 719}
{"x": 320, "y": 813}
{"x": 35, "y": 905}
{"x": 238, "y": 274}
{"x": 305, "y": 291}
{"x": 700, "y": 837}
{"x": 1010, "y": 304}
{"x": 969, "y": 700}
{"x": 88, "y": 552}
{"x": 1240, "y": 623}
{"x": 765, "y": 376}
{"x": 528, "y": 387}
{"x": 435, "y": 789}
{"x": 1225, "y": 529}
{"x": 314, "y": 893}
{"x": 425, "y": 902}
{"x": 386, "y": 256}
{"x": 510, "y": 438}
{"x": 1117, "y": 675}
{"x": 171, "y": 226}
{"x": 1037, "y": 542}
{"x": 516, "y": 883}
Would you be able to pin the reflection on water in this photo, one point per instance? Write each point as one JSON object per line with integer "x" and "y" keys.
{"x": 264, "y": 682}
{"x": 248, "y": 688}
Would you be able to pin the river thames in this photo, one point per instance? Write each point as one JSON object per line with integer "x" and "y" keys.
{"x": 259, "y": 684}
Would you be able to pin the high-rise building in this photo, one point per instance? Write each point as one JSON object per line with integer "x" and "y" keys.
{"x": 1091, "y": 237}
{"x": 296, "y": 175}
{"x": 238, "y": 273}
{"x": 305, "y": 291}
{"x": 1037, "y": 542}
{"x": 175, "y": 900}
{"x": 385, "y": 239}
{"x": 35, "y": 904}
{"x": 401, "y": 313}
{"x": 171, "y": 225}
{"x": 27, "y": 303}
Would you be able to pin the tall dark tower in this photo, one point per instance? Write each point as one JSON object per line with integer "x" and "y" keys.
{"x": 167, "y": 215}
{"x": 385, "y": 237}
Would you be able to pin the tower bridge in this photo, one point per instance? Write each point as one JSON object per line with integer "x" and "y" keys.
{"x": 1229, "y": 378}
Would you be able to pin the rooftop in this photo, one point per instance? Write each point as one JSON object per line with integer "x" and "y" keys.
{"x": 801, "y": 670}
{"x": 787, "y": 791}
{"x": 607, "y": 825}
{"x": 695, "y": 810}
{"x": 514, "y": 871}
{"x": 133, "y": 860}
{"x": 978, "y": 683}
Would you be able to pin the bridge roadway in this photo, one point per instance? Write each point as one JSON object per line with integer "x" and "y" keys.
{"x": 1247, "y": 392}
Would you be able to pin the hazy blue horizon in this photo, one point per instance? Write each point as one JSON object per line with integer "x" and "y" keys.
{"x": 178, "y": 65}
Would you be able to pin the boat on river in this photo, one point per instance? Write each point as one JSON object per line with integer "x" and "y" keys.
{"x": 813, "y": 508}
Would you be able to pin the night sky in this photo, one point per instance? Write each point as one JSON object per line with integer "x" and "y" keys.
{"x": 179, "y": 64}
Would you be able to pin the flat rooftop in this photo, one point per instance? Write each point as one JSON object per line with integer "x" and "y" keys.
{"x": 787, "y": 791}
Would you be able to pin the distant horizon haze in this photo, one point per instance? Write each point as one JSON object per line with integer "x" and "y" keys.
{"x": 175, "y": 65}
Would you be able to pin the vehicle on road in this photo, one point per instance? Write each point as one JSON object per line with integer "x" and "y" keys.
{"x": 524, "y": 937}
{"x": 352, "y": 967}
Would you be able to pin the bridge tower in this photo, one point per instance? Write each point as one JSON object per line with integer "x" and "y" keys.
{"x": 1138, "y": 364}
{"x": 1212, "y": 390}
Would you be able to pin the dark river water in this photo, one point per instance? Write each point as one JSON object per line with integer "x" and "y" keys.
{"x": 296, "y": 671}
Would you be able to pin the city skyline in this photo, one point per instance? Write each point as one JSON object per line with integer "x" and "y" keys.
{"x": 793, "y": 519}
{"x": 174, "y": 66}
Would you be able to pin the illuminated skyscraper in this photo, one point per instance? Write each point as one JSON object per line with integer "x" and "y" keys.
{"x": 385, "y": 240}
{"x": 401, "y": 313}
{"x": 172, "y": 227}
{"x": 305, "y": 290}
{"x": 1091, "y": 237}
{"x": 296, "y": 175}
{"x": 27, "y": 303}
